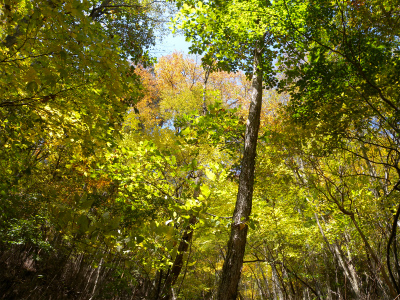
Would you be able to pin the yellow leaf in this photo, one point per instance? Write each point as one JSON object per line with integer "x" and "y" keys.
{"x": 210, "y": 175}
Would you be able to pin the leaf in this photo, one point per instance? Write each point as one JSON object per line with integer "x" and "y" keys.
{"x": 205, "y": 190}
{"x": 63, "y": 73}
{"x": 251, "y": 224}
{"x": 32, "y": 87}
{"x": 83, "y": 223}
{"x": 85, "y": 203}
{"x": 114, "y": 223}
{"x": 63, "y": 55}
{"x": 210, "y": 175}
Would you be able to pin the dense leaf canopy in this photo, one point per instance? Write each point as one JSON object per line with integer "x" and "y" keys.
{"x": 119, "y": 174}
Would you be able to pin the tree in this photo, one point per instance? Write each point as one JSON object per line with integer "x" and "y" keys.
{"x": 218, "y": 30}
{"x": 174, "y": 94}
{"x": 66, "y": 85}
{"x": 53, "y": 91}
{"x": 341, "y": 67}
{"x": 174, "y": 87}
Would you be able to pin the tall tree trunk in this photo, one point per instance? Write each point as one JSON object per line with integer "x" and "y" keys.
{"x": 97, "y": 279}
{"x": 183, "y": 247}
{"x": 368, "y": 247}
{"x": 259, "y": 284}
{"x": 232, "y": 268}
{"x": 265, "y": 278}
{"x": 179, "y": 259}
{"x": 328, "y": 279}
{"x": 276, "y": 282}
{"x": 346, "y": 265}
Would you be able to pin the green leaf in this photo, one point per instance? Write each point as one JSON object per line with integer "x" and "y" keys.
{"x": 63, "y": 55}
{"x": 63, "y": 73}
{"x": 83, "y": 223}
{"x": 32, "y": 87}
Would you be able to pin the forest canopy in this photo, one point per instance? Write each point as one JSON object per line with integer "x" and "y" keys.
{"x": 264, "y": 165}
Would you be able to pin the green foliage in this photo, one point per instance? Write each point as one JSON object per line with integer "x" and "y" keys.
{"x": 226, "y": 34}
{"x": 350, "y": 72}
{"x": 72, "y": 182}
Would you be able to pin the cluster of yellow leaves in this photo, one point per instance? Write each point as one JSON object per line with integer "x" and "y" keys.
{"x": 178, "y": 84}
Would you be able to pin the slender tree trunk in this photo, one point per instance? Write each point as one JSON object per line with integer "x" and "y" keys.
{"x": 277, "y": 284}
{"x": 392, "y": 239}
{"x": 231, "y": 271}
{"x": 182, "y": 249}
{"x": 393, "y": 292}
{"x": 97, "y": 279}
{"x": 274, "y": 288}
{"x": 267, "y": 286}
{"x": 259, "y": 284}
{"x": 346, "y": 265}
{"x": 290, "y": 283}
{"x": 328, "y": 279}
{"x": 178, "y": 262}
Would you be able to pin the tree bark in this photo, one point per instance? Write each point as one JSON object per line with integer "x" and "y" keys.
{"x": 277, "y": 284}
{"x": 392, "y": 290}
{"x": 179, "y": 259}
{"x": 259, "y": 284}
{"x": 346, "y": 265}
{"x": 265, "y": 278}
{"x": 231, "y": 271}
{"x": 183, "y": 247}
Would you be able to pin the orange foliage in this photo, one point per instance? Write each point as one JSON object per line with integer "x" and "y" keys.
{"x": 176, "y": 85}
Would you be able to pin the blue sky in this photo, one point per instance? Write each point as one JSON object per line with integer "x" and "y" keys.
{"x": 169, "y": 44}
